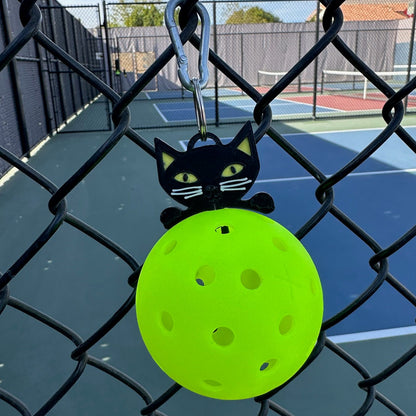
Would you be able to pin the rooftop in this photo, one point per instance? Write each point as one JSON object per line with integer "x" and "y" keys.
{"x": 372, "y": 11}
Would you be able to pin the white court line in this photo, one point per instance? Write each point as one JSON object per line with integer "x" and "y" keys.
{"x": 13, "y": 170}
{"x": 160, "y": 113}
{"x": 371, "y": 335}
{"x": 177, "y": 110}
{"x": 316, "y": 133}
{"x": 252, "y": 105}
{"x": 359, "y": 336}
{"x": 272, "y": 104}
{"x": 308, "y": 178}
{"x": 306, "y": 104}
{"x": 369, "y": 173}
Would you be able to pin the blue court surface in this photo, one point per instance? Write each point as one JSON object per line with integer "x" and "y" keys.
{"x": 183, "y": 93}
{"x": 230, "y": 109}
{"x": 375, "y": 196}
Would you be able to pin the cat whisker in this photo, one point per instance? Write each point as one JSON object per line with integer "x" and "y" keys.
{"x": 232, "y": 189}
{"x": 235, "y": 182}
{"x": 187, "y": 192}
{"x": 188, "y": 188}
{"x": 193, "y": 195}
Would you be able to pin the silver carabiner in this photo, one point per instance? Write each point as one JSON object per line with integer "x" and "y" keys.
{"x": 178, "y": 47}
{"x": 199, "y": 109}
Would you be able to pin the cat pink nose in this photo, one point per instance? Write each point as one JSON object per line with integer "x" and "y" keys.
{"x": 212, "y": 192}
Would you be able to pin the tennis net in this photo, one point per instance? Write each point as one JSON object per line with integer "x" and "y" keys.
{"x": 355, "y": 84}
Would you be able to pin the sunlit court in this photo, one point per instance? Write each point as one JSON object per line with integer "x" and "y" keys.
{"x": 207, "y": 208}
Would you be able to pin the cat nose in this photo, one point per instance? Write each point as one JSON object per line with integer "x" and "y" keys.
{"x": 212, "y": 191}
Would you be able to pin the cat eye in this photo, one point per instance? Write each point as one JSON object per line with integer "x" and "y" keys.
{"x": 186, "y": 177}
{"x": 232, "y": 170}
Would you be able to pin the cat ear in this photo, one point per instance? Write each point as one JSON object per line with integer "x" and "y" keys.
{"x": 244, "y": 140}
{"x": 165, "y": 154}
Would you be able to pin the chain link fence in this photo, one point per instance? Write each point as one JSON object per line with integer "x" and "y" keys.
{"x": 38, "y": 94}
{"x": 71, "y": 67}
{"x": 113, "y": 48}
{"x": 74, "y": 29}
{"x": 263, "y": 54}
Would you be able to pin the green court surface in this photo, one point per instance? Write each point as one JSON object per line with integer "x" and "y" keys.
{"x": 81, "y": 284}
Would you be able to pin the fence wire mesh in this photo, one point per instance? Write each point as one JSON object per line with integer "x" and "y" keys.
{"x": 39, "y": 36}
{"x": 39, "y": 94}
{"x": 328, "y": 87}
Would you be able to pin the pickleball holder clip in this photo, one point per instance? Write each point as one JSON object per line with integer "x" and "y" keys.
{"x": 198, "y": 178}
{"x": 210, "y": 176}
{"x": 194, "y": 84}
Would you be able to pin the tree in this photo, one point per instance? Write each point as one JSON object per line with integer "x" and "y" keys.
{"x": 127, "y": 15}
{"x": 145, "y": 15}
{"x": 252, "y": 15}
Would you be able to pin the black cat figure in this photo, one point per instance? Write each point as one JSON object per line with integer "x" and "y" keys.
{"x": 212, "y": 176}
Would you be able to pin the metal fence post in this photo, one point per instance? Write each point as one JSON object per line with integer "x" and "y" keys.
{"x": 410, "y": 57}
{"x": 66, "y": 43}
{"x": 315, "y": 69}
{"x": 47, "y": 110}
{"x": 107, "y": 42}
{"x": 57, "y": 71}
{"x": 15, "y": 84}
{"x": 217, "y": 115}
{"x": 77, "y": 57}
{"x": 299, "y": 57}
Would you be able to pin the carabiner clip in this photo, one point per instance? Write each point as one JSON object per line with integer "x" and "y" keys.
{"x": 199, "y": 109}
{"x": 178, "y": 47}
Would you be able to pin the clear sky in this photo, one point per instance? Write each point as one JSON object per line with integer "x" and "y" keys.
{"x": 288, "y": 11}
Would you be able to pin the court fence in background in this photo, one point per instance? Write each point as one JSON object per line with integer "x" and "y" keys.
{"x": 71, "y": 69}
{"x": 38, "y": 93}
{"x": 263, "y": 53}
{"x": 110, "y": 45}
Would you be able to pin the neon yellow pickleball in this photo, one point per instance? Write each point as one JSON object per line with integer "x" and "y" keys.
{"x": 229, "y": 304}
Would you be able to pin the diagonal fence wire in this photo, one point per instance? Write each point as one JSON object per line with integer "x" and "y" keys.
{"x": 393, "y": 112}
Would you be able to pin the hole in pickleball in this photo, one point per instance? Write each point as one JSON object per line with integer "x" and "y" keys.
{"x": 286, "y": 324}
{"x": 205, "y": 275}
{"x": 223, "y": 336}
{"x": 264, "y": 366}
{"x": 223, "y": 229}
{"x": 167, "y": 321}
{"x": 212, "y": 383}
{"x": 279, "y": 244}
{"x": 268, "y": 365}
{"x": 170, "y": 246}
{"x": 250, "y": 279}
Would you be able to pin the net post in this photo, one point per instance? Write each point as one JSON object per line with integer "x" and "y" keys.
{"x": 365, "y": 88}
{"x": 355, "y": 51}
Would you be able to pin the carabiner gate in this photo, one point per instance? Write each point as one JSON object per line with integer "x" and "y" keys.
{"x": 199, "y": 109}
{"x": 178, "y": 47}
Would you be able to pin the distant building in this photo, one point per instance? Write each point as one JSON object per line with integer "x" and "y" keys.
{"x": 356, "y": 10}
